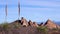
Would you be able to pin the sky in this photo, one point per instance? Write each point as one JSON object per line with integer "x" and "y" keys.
{"x": 35, "y": 10}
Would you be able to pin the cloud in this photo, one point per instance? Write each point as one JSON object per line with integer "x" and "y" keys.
{"x": 38, "y": 12}
{"x": 36, "y": 6}
{"x": 40, "y": 3}
{"x": 9, "y": 2}
{"x": 35, "y": 10}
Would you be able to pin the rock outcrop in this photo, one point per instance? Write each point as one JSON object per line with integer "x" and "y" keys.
{"x": 41, "y": 24}
{"x": 50, "y": 24}
{"x": 35, "y": 24}
{"x": 30, "y": 23}
{"x": 24, "y": 22}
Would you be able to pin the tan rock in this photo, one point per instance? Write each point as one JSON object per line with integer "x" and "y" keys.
{"x": 50, "y": 24}
{"x": 24, "y": 22}
{"x": 30, "y": 23}
{"x": 41, "y": 24}
{"x": 57, "y": 26}
{"x": 35, "y": 24}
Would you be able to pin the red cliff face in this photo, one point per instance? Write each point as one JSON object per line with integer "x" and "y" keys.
{"x": 50, "y": 24}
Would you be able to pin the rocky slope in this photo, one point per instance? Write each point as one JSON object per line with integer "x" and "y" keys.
{"x": 28, "y": 27}
{"x": 50, "y": 24}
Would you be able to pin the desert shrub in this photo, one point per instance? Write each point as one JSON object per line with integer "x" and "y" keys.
{"x": 24, "y": 26}
{"x": 42, "y": 29}
{"x": 4, "y": 25}
{"x": 17, "y": 26}
{"x": 55, "y": 29}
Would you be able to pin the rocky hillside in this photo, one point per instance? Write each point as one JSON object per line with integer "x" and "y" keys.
{"x": 28, "y": 27}
{"x": 50, "y": 24}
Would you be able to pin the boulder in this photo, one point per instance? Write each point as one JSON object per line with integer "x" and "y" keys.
{"x": 41, "y": 24}
{"x": 35, "y": 24}
{"x": 24, "y": 22}
{"x": 30, "y": 23}
{"x": 50, "y": 24}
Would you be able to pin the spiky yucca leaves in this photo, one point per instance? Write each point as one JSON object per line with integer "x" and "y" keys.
{"x": 42, "y": 29}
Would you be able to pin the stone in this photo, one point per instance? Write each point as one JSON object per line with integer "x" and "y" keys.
{"x": 41, "y": 24}
{"x": 24, "y": 22}
{"x": 35, "y": 24}
{"x": 30, "y": 23}
{"x": 50, "y": 24}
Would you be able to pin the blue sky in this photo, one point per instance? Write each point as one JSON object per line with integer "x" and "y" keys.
{"x": 35, "y": 10}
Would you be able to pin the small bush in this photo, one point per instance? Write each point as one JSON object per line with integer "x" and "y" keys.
{"x": 42, "y": 29}
{"x": 55, "y": 29}
{"x": 5, "y": 26}
{"x": 16, "y": 26}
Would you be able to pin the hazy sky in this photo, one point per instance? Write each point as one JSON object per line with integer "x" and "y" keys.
{"x": 35, "y": 10}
